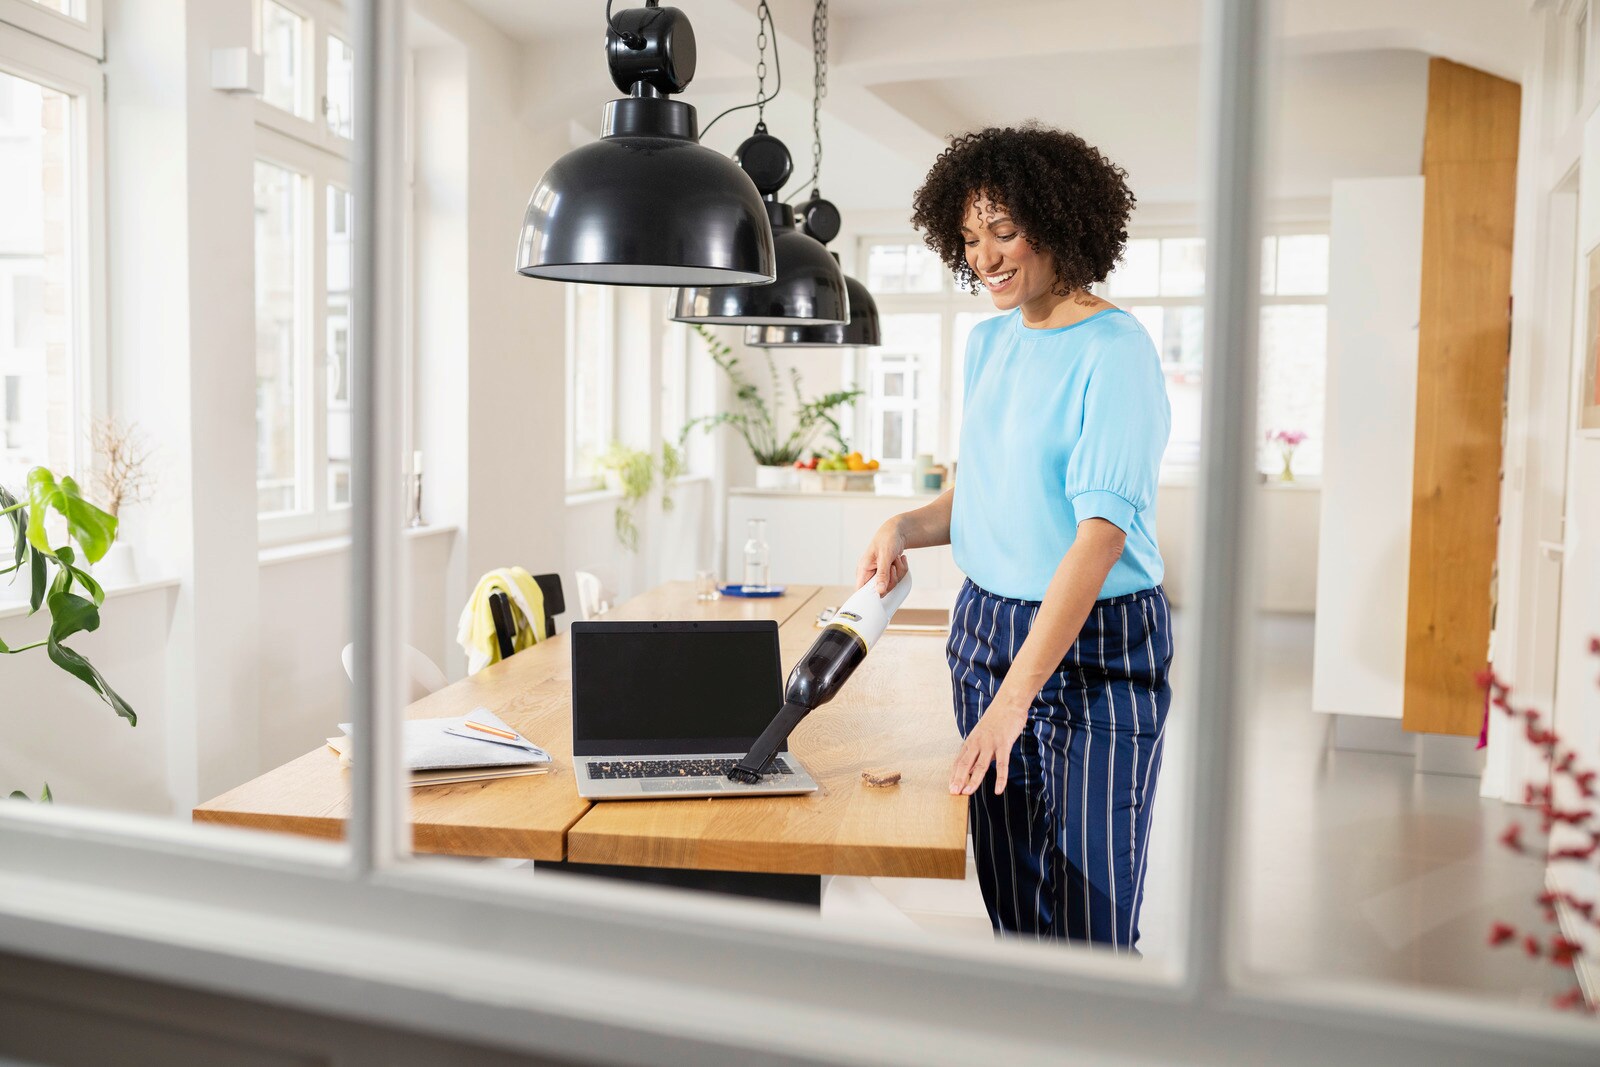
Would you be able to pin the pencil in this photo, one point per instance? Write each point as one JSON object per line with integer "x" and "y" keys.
{"x": 507, "y": 734}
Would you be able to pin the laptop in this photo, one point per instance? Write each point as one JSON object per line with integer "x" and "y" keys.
{"x": 664, "y": 709}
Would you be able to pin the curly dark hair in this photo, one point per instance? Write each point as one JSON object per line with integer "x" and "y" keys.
{"x": 1066, "y": 198}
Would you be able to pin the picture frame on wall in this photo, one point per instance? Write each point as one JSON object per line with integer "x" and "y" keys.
{"x": 1589, "y": 395}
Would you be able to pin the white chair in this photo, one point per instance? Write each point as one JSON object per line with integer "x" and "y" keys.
{"x": 422, "y": 674}
{"x": 589, "y": 602}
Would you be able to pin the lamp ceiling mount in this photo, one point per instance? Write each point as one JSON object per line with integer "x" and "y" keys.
{"x": 650, "y": 50}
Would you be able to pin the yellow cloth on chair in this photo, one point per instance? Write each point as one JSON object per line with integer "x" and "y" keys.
{"x": 475, "y": 633}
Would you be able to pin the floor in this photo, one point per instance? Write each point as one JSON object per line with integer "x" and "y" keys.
{"x": 1356, "y": 866}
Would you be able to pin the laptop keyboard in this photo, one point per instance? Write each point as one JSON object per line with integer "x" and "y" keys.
{"x": 675, "y": 768}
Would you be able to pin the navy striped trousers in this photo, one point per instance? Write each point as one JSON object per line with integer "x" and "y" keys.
{"x": 1061, "y": 853}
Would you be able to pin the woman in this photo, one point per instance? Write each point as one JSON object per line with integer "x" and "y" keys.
{"x": 1060, "y": 639}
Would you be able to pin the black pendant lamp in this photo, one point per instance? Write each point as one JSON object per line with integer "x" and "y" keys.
{"x": 809, "y": 289}
{"x": 647, "y": 204}
{"x": 821, "y": 220}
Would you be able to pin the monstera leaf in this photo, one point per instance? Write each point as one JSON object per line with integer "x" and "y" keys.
{"x": 92, "y": 528}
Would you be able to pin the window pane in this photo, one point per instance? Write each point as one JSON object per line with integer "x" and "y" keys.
{"x": 1294, "y": 355}
{"x": 891, "y": 445}
{"x": 340, "y": 104}
{"x": 283, "y": 55}
{"x": 1182, "y": 359}
{"x": 589, "y": 397}
{"x": 280, "y": 329}
{"x": 1183, "y": 266}
{"x": 904, "y": 268}
{"x": 1303, "y": 265}
{"x": 1269, "y": 265}
{"x": 338, "y": 347}
{"x": 1139, "y": 273}
{"x": 70, "y": 8}
{"x": 902, "y": 387}
{"x": 40, "y": 341}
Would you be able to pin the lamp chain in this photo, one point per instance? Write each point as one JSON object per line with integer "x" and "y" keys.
{"x": 763, "y": 18}
{"x": 819, "y": 86}
{"x": 819, "y": 89}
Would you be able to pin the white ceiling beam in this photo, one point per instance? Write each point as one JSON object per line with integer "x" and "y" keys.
{"x": 903, "y": 45}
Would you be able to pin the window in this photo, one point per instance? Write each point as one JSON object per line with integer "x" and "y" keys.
{"x": 309, "y": 86}
{"x": 902, "y": 387}
{"x": 907, "y": 267}
{"x": 48, "y": 334}
{"x": 283, "y": 51}
{"x": 591, "y": 327}
{"x": 337, "y": 347}
{"x": 74, "y": 24}
{"x": 241, "y": 915}
{"x": 913, "y": 383}
{"x": 1161, "y": 282}
{"x": 303, "y": 382}
{"x": 338, "y": 103}
{"x": 1294, "y": 345}
{"x": 303, "y": 216}
{"x": 281, "y": 285}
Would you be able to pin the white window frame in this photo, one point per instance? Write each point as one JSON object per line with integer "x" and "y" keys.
{"x": 85, "y": 35}
{"x": 321, "y": 19}
{"x": 619, "y": 974}
{"x": 318, "y": 517}
{"x": 1288, "y": 224}
{"x": 577, "y": 481}
{"x": 47, "y": 63}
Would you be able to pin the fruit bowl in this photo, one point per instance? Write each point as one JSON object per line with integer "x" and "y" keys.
{"x": 859, "y": 481}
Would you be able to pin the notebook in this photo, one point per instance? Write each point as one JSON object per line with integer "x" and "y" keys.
{"x": 442, "y": 751}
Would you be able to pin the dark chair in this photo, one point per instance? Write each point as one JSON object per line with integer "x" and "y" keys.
{"x": 504, "y": 625}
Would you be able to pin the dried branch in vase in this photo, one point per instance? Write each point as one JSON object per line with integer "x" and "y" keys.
{"x": 1566, "y": 808}
{"x": 123, "y": 473}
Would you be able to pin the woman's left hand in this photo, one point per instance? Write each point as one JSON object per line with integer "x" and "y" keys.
{"x": 989, "y": 742}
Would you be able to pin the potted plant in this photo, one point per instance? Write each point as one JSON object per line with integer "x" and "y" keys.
{"x": 69, "y": 611}
{"x": 631, "y": 472}
{"x": 757, "y": 422}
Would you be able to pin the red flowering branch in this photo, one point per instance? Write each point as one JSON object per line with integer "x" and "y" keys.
{"x": 1579, "y": 823}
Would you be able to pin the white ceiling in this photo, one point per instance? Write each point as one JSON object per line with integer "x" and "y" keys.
{"x": 905, "y": 74}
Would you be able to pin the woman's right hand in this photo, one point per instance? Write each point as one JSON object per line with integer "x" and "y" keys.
{"x": 884, "y": 558}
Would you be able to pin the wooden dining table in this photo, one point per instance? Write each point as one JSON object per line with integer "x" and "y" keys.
{"x": 894, "y": 715}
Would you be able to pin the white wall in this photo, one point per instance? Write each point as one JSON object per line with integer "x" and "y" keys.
{"x": 55, "y": 730}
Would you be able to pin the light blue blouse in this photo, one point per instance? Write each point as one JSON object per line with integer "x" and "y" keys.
{"x": 1058, "y": 426}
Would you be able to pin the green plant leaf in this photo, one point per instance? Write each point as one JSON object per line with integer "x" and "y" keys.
{"x": 36, "y": 597}
{"x": 93, "y": 529}
{"x": 74, "y": 664}
{"x": 71, "y": 614}
{"x": 45, "y": 797}
{"x": 19, "y": 524}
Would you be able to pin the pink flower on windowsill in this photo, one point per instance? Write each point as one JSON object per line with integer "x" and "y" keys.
{"x": 1287, "y": 441}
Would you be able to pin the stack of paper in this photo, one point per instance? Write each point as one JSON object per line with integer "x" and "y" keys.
{"x": 471, "y": 748}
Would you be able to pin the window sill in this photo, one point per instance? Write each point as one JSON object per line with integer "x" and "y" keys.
{"x": 10, "y": 609}
{"x": 595, "y": 496}
{"x": 330, "y": 546}
{"x": 1189, "y": 478}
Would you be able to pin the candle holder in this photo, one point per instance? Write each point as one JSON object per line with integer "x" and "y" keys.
{"x": 414, "y": 499}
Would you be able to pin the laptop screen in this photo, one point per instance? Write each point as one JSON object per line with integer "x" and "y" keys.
{"x": 671, "y": 688}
